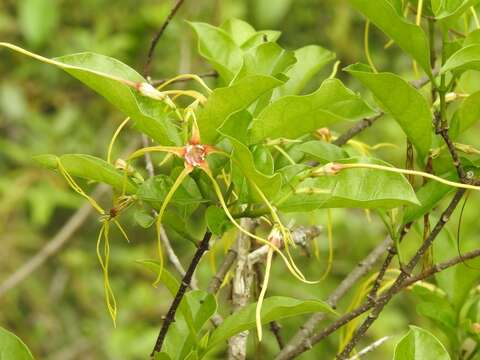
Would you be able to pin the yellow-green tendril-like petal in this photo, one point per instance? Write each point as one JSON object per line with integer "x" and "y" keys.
{"x": 407, "y": 172}
{"x": 475, "y": 17}
{"x": 330, "y": 244}
{"x": 258, "y": 309}
{"x": 197, "y": 78}
{"x": 366, "y": 41}
{"x": 114, "y": 138}
{"x": 261, "y": 240}
{"x": 77, "y": 188}
{"x": 285, "y": 154}
{"x": 158, "y": 222}
{"x": 104, "y": 263}
{"x": 169, "y": 149}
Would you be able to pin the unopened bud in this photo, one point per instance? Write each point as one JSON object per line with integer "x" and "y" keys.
{"x": 328, "y": 170}
{"x": 275, "y": 237}
{"x": 149, "y": 91}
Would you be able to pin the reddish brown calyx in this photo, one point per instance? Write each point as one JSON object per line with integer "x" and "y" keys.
{"x": 195, "y": 155}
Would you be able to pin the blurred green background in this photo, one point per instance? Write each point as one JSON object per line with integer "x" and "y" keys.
{"x": 59, "y": 310}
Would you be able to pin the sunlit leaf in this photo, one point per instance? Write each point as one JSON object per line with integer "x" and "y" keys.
{"x": 420, "y": 344}
{"x": 11, "y": 347}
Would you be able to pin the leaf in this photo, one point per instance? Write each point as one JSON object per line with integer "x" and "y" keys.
{"x": 451, "y": 9}
{"x": 149, "y": 115}
{"x": 402, "y": 101}
{"x": 409, "y": 37}
{"x": 38, "y": 20}
{"x": 310, "y": 60}
{"x": 219, "y": 49}
{"x": 467, "y": 58}
{"x": 240, "y": 31}
{"x": 353, "y": 188}
{"x": 143, "y": 218}
{"x": 322, "y": 151}
{"x": 227, "y": 100}
{"x": 244, "y": 161}
{"x": 419, "y": 344}
{"x": 217, "y": 220}
{"x": 294, "y": 116}
{"x": 274, "y": 308}
{"x": 156, "y": 188}
{"x": 11, "y": 347}
{"x": 90, "y": 168}
{"x": 266, "y": 59}
{"x": 260, "y": 37}
{"x": 429, "y": 195}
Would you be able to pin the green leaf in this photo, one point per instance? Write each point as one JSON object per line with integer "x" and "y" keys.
{"x": 419, "y": 344}
{"x": 244, "y": 161}
{"x": 217, "y": 220}
{"x": 274, "y": 308}
{"x": 156, "y": 188}
{"x": 260, "y": 37}
{"x": 429, "y": 195}
{"x": 38, "y": 20}
{"x": 90, "y": 168}
{"x": 353, "y": 188}
{"x": 402, "y": 101}
{"x": 219, "y": 49}
{"x": 310, "y": 60}
{"x": 467, "y": 58}
{"x": 266, "y": 59}
{"x": 322, "y": 151}
{"x": 149, "y": 115}
{"x": 409, "y": 37}
{"x": 143, "y": 218}
{"x": 227, "y": 100}
{"x": 294, "y": 116}
{"x": 11, "y": 347}
{"x": 447, "y": 10}
{"x": 240, "y": 31}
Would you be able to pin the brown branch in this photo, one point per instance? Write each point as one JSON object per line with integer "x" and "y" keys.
{"x": 301, "y": 340}
{"x": 357, "y": 129}
{"x": 170, "y": 317}
{"x": 211, "y": 74}
{"x": 275, "y": 329}
{"x": 392, "y": 290}
{"x": 158, "y": 35}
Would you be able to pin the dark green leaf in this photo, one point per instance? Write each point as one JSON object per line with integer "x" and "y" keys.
{"x": 217, "y": 221}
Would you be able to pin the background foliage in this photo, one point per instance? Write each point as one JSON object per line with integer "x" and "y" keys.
{"x": 59, "y": 310}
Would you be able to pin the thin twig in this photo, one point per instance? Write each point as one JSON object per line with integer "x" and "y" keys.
{"x": 158, "y": 35}
{"x": 170, "y": 317}
{"x": 370, "y": 348}
{"x": 356, "y": 129}
{"x": 301, "y": 340}
{"x": 275, "y": 328}
{"x": 380, "y": 304}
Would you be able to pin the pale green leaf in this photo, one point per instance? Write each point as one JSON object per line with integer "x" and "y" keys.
{"x": 310, "y": 60}
{"x": 402, "y": 101}
{"x": 352, "y": 188}
{"x": 38, "y": 20}
{"x": 420, "y": 344}
{"x": 227, "y": 100}
{"x": 274, "y": 308}
{"x": 322, "y": 151}
{"x": 219, "y": 49}
{"x": 409, "y": 37}
{"x": 12, "y": 348}
{"x": 294, "y": 116}
{"x": 466, "y": 116}
{"x": 90, "y": 168}
{"x": 467, "y": 58}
